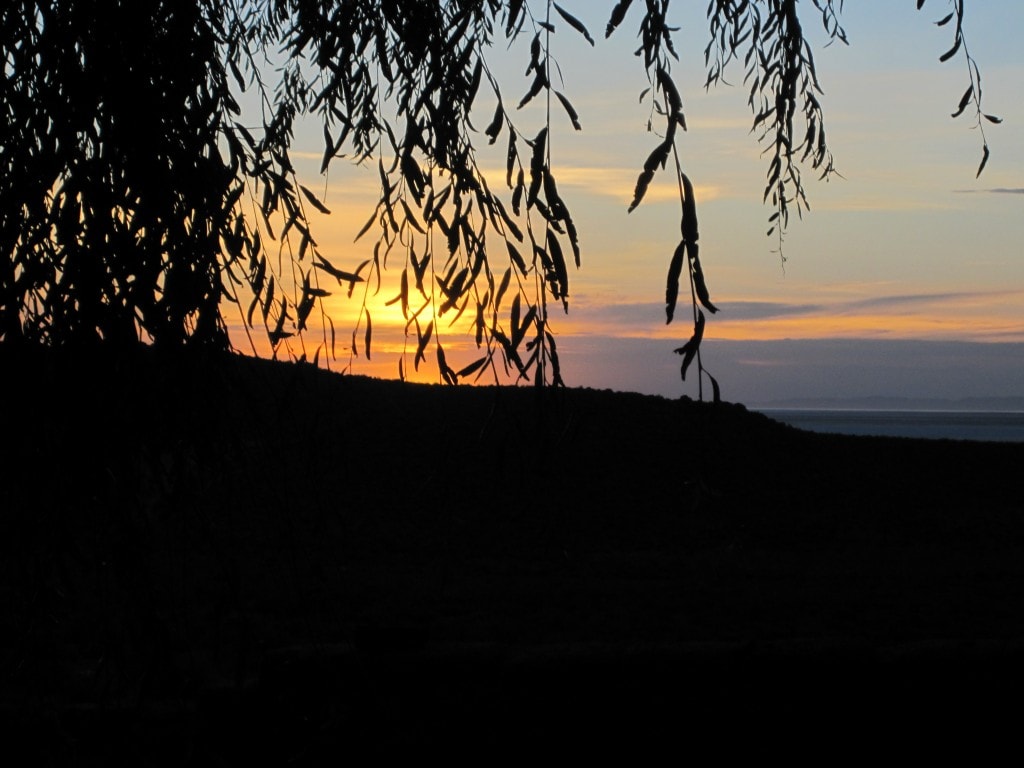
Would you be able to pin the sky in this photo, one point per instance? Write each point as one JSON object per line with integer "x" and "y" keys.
{"x": 906, "y": 277}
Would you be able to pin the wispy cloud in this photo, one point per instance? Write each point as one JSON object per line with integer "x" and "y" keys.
{"x": 978, "y": 315}
{"x": 992, "y": 191}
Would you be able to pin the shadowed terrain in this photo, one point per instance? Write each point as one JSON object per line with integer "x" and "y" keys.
{"x": 208, "y": 555}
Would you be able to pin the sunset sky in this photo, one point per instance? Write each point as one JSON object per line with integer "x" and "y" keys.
{"x": 907, "y": 277}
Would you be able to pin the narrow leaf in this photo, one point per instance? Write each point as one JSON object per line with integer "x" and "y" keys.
{"x": 313, "y": 201}
{"x": 700, "y": 288}
{"x": 675, "y": 269}
{"x": 369, "y": 334}
{"x": 472, "y": 368}
{"x": 574, "y": 23}
{"x": 618, "y": 14}
{"x": 689, "y": 225}
{"x": 689, "y": 349}
{"x": 964, "y": 101}
{"x": 952, "y": 51}
{"x": 573, "y": 116}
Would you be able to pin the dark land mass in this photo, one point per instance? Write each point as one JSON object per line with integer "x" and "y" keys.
{"x": 216, "y": 558}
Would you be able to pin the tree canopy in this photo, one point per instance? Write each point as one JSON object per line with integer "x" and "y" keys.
{"x": 138, "y": 200}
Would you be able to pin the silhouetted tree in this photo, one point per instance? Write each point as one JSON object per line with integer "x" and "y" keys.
{"x": 135, "y": 201}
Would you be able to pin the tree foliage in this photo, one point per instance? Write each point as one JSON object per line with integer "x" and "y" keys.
{"x": 138, "y": 199}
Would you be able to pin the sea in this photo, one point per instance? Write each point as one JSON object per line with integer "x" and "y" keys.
{"x": 1005, "y": 426}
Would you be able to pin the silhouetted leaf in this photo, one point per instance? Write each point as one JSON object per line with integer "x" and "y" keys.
{"x": 268, "y": 302}
{"x": 340, "y": 274}
{"x": 993, "y": 119}
{"x": 502, "y": 287}
{"x": 421, "y": 346}
{"x": 618, "y": 14}
{"x": 538, "y": 84}
{"x": 574, "y": 23}
{"x": 561, "y": 272}
{"x": 944, "y": 20}
{"x": 698, "y": 279}
{"x": 675, "y": 269}
{"x": 573, "y": 117}
{"x": 515, "y": 7}
{"x": 952, "y": 51}
{"x": 514, "y": 319}
{"x": 510, "y": 158}
{"x": 689, "y": 349}
{"x": 472, "y": 368}
{"x": 369, "y": 334}
{"x": 689, "y": 224}
{"x": 313, "y": 201}
{"x": 716, "y": 391}
{"x": 984, "y": 159}
{"x": 494, "y": 128}
{"x": 964, "y": 101}
{"x": 642, "y": 183}
{"x": 446, "y": 373}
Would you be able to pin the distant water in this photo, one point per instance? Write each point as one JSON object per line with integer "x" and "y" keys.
{"x": 955, "y": 425}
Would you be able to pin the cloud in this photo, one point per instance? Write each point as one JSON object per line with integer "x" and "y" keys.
{"x": 898, "y": 301}
{"x": 647, "y": 318}
{"x": 760, "y": 310}
{"x": 992, "y": 191}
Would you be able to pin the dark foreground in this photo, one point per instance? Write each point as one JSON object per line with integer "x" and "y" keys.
{"x": 222, "y": 559}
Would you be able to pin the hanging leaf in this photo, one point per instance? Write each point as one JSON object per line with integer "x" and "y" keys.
{"x": 404, "y": 293}
{"x": 421, "y": 346}
{"x": 573, "y": 116}
{"x": 502, "y": 287}
{"x": 574, "y": 23}
{"x": 618, "y": 14}
{"x": 442, "y": 364}
{"x": 510, "y": 158}
{"x": 675, "y": 269}
{"x": 514, "y": 319}
{"x": 494, "y": 128}
{"x": 690, "y": 231}
{"x": 689, "y": 349}
{"x": 716, "y": 391}
{"x": 340, "y": 274}
{"x": 642, "y": 183}
{"x": 472, "y": 368}
{"x": 964, "y": 101}
{"x": 369, "y": 334}
{"x": 561, "y": 272}
{"x": 984, "y": 159}
{"x": 698, "y": 279}
{"x": 514, "y": 8}
{"x": 952, "y": 51}
{"x": 540, "y": 80}
{"x": 313, "y": 201}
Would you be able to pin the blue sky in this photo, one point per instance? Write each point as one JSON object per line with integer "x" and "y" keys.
{"x": 908, "y": 263}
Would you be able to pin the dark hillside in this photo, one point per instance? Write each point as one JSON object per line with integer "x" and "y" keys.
{"x": 202, "y": 551}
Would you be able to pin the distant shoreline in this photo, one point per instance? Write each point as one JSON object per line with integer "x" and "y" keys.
{"x": 900, "y": 404}
{"x": 929, "y": 424}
